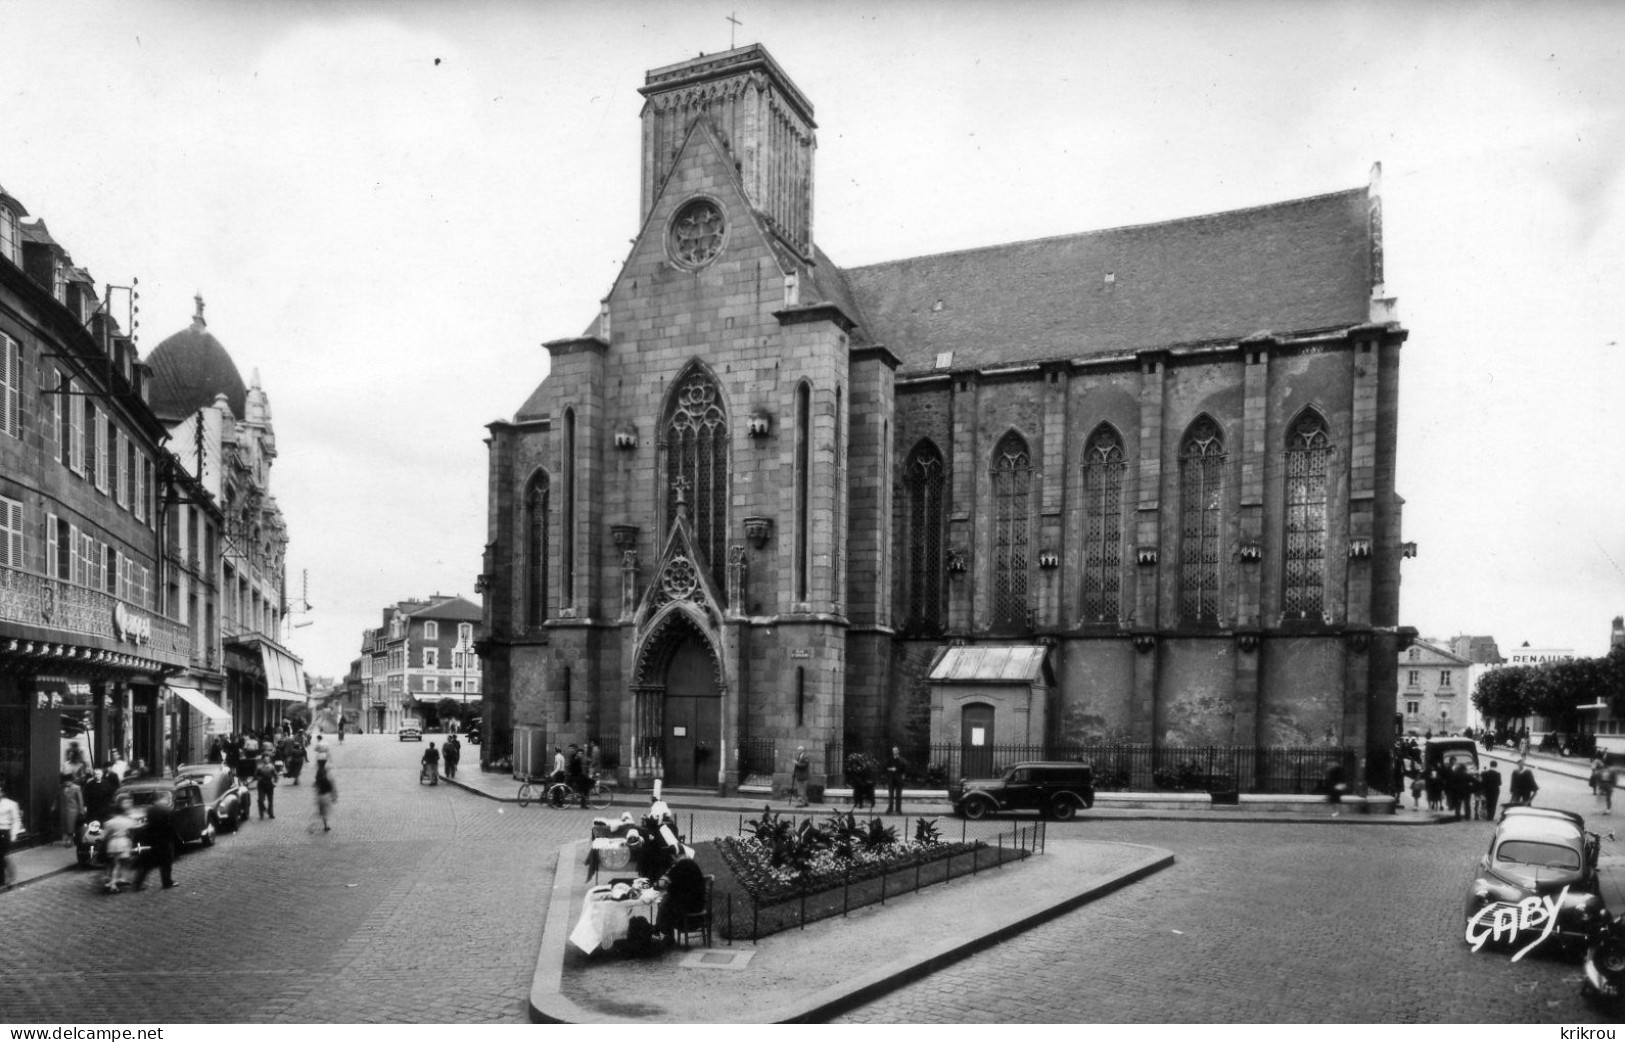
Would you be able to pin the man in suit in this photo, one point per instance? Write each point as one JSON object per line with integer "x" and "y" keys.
{"x": 1490, "y": 783}
{"x": 895, "y": 767}
{"x": 158, "y": 836}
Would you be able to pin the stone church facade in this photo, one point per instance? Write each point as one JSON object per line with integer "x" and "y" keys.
{"x": 1134, "y": 485}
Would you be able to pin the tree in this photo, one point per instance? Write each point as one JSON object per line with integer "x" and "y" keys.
{"x": 448, "y": 709}
{"x": 1504, "y": 694}
{"x": 298, "y": 715}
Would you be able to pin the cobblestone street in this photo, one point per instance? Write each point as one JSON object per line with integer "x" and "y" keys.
{"x": 426, "y": 905}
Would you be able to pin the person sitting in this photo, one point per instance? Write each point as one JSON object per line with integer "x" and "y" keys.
{"x": 684, "y": 886}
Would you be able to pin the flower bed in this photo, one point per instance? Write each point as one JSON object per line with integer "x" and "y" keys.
{"x": 782, "y": 876}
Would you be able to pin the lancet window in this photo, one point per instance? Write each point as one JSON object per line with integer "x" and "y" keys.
{"x": 1308, "y": 460}
{"x": 1103, "y": 469}
{"x": 696, "y": 448}
{"x": 924, "y": 483}
{"x": 1201, "y": 477}
{"x": 1012, "y": 475}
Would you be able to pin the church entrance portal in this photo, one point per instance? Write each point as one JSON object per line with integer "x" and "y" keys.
{"x": 693, "y": 715}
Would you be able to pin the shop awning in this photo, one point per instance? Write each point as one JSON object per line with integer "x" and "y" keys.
{"x": 284, "y": 678}
{"x": 195, "y": 698}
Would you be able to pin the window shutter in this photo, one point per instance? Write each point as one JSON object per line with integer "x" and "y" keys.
{"x": 52, "y": 564}
{"x": 11, "y": 533}
{"x": 11, "y": 384}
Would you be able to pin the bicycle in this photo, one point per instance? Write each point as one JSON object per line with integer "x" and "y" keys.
{"x": 560, "y": 793}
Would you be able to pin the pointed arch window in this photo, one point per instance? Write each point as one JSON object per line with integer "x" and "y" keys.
{"x": 536, "y": 527}
{"x": 1012, "y": 474}
{"x": 696, "y": 448}
{"x": 1308, "y": 460}
{"x": 1103, "y": 467}
{"x": 1201, "y": 482}
{"x": 924, "y": 484}
{"x": 803, "y": 490}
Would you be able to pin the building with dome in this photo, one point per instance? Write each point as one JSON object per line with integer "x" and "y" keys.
{"x": 229, "y": 545}
{"x": 1129, "y": 488}
{"x": 87, "y": 638}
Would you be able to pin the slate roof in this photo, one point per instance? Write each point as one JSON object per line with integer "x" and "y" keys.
{"x": 458, "y": 608}
{"x": 188, "y": 370}
{"x": 1290, "y": 267}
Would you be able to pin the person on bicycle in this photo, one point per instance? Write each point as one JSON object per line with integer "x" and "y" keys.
{"x": 576, "y": 774}
{"x": 431, "y": 764}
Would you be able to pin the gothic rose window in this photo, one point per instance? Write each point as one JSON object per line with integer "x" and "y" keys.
{"x": 1308, "y": 458}
{"x": 1201, "y": 481}
{"x": 1012, "y": 474}
{"x": 696, "y": 448}
{"x": 1103, "y": 467}
{"x": 924, "y": 480}
{"x": 696, "y": 233}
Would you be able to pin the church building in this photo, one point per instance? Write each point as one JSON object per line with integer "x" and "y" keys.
{"x": 1132, "y": 486}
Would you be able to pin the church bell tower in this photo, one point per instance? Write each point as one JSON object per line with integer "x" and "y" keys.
{"x": 760, "y": 117}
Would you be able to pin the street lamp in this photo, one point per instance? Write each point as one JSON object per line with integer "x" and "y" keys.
{"x": 463, "y": 650}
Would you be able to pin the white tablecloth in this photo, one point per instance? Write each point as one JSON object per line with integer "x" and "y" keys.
{"x": 603, "y": 922}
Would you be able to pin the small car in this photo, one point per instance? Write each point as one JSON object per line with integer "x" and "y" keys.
{"x": 1539, "y": 860}
{"x": 1055, "y": 788}
{"x": 410, "y": 734}
{"x": 227, "y": 797}
{"x": 193, "y": 817}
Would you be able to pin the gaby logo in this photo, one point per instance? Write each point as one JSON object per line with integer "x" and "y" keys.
{"x": 1504, "y": 922}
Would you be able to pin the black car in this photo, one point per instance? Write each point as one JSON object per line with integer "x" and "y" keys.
{"x": 1538, "y": 879}
{"x": 191, "y": 814}
{"x": 1054, "y": 788}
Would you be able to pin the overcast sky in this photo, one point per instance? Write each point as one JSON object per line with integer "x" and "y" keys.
{"x": 388, "y": 208}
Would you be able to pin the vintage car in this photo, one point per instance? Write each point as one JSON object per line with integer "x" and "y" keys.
{"x": 1055, "y": 788}
{"x": 193, "y": 818}
{"x": 227, "y": 798}
{"x": 410, "y": 733}
{"x": 1537, "y": 882}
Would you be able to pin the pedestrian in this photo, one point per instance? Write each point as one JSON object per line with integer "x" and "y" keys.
{"x": 98, "y": 790}
{"x": 452, "y": 753}
{"x": 1605, "y": 785}
{"x": 265, "y": 784}
{"x": 1416, "y": 792}
{"x": 1460, "y": 788}
{"x": 595, "y": 759}
{"x": 217, "y": 753}
{"x": 558, "y": 764}
{"x": 294, "y": 758}
{"x": 1521, "y": 791}
{"x": 118, "y": 845}
{"x": 896, "y": 766}
{"x": 576, "y": 774}
{"x": 11, "y": 830}
{"x": 1433, "y": 782}
{"x": 71, "y": 803}
{"x": 1490, "y": 782}
{"x": 430, "y": 761}
{"x": 800, "y": 772}
{"x": 341, "y": 729}
{"x": 322, "y": 752}
{"x": 1335, "y": 786}
{"x": 327, "y": 794}
{"x": 1595, "y": 780}
{"x": 161, "y": 841}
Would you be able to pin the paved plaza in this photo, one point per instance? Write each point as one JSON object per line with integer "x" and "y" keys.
{"x": 426, "y": 905}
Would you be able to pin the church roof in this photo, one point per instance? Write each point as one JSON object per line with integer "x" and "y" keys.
{"x": 189, "y": 369}
{"x": 1290, "y": 267}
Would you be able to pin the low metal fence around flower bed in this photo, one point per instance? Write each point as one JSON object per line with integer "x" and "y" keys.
{"x": 779, "y": 873}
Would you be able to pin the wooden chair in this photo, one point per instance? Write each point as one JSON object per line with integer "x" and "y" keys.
{"x": 698, "y": 922}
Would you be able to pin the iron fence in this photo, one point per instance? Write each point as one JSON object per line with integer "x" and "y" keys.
{"x": 1135, "y": 767}
{"x": 980, "y": 847}
{"x": 757, "y": 756}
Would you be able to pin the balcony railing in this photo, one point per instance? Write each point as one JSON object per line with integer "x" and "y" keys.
{"x": 34, "y": 600}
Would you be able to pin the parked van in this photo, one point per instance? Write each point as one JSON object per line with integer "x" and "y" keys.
{"x": 1447, "y": 752}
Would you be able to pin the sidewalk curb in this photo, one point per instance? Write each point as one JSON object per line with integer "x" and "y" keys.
{"x": 548, "y": 1005}
{"x": 751, "y": 805}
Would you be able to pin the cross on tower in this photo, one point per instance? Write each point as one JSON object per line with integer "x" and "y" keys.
{"x": 735, "y": 24}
